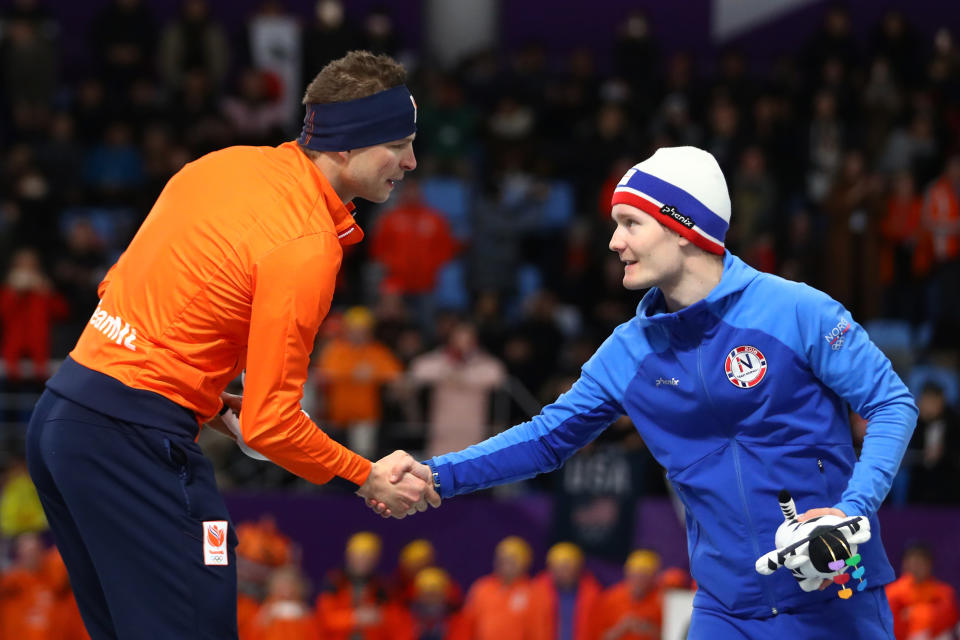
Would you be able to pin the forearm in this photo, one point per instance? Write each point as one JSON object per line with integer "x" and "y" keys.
{"x": 302, "y": 448}
{"x": 888, "y": 432}
{"x": 520, "y": 452}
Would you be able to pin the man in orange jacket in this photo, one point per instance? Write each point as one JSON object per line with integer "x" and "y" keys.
{"x": 633, "y": 608}
{"x": 500, "y": 606}
{"x": 565, "y": 595}
{"x": 233, "y": 269}
{"x": 923, "y": 607}
{"x": 354, "y": 602}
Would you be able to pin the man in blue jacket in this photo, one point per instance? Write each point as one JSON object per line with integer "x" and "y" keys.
{"x": 739, "y": 383}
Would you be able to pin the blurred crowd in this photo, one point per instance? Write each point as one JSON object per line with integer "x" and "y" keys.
{"x": 486, "y": 282}
{"x": 420, "y": 601}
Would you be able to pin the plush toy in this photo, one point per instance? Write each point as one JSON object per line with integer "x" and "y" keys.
{"x": 822, "y": 548}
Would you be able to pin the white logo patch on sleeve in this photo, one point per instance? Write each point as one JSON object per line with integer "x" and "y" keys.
{"x": 215, "y": 543}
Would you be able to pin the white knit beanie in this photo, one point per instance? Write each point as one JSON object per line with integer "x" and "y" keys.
{"x": 684, "y": 189}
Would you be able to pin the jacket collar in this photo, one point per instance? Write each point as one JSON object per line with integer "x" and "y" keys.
{"x": 736, "y": 276}
{"x": 341, "y": 213}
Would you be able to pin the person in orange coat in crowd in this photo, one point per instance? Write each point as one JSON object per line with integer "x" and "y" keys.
{"x": 500, "y": 606}
{"x": 416, "y": 556}
{"x": 353, "y": 603}
{"x": 28, "y": 308}
{"x": 26, "y": 597}
{"x": 352, "y": 370}
{"x": 434, "y": 616}
{"x": 565, "y": 594}
{"x": 261, "y": 548}
{"x": 631, "y": 609}
{"x": 66, "y": 623}
{"x": 285, "y": 615}
{"x": 923, "y": 607}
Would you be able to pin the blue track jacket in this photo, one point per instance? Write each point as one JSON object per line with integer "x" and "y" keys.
{"x": 738, "y": 396}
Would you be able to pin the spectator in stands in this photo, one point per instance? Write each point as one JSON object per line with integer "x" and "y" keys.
{"x": 352, "y": 370}
{"x": 934, "y": 450}
{"x": 115, "y": 166}
{"x": 434, "y": 616}
{"x": 20, "y": 508}
{"x": 460, "y": 377}
{"x": 261, "y": 550}
{"x": 124, "y": 37}
{"x": 28, "y": 307}
{"x": 328, "y": 38}
{"x": 256, "y": 112}
{"x": 940, "y": 231}
{"x": 924, "y": 608}
{"x": 29, "y": 59}
{"x": 416, "y": 556}
{"x": 631, "y": 609}
{"x": 194, "y": 41}
{"x": 565, "y": 595}
{"x": 285, "y": 614}
{"x": 500, "y": 606}
{"x": 353, "y": 603}
{"x": 852, "y": 237}
{"x": 898, "y": 239}
{"x": 66, "y": 623}
{"x": 413, "y": 241}
{"x": 26, "y": 596}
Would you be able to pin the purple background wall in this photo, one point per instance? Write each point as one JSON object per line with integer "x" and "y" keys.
{"x": 677, "y": 25}
{"x": 466, "y": 529}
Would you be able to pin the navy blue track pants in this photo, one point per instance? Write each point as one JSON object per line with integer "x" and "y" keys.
{"x": 127, "y": 505}
{"x": 865, "y": 616}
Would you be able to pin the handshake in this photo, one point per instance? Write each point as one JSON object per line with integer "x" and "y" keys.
{"x": 399, "y": 486}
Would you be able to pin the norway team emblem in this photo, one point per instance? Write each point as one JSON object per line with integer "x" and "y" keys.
{"x": 745, "y": 367}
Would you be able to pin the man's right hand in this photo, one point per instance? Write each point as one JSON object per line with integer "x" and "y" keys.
{"x": 401, "y": 468}
{"x": 396, "y": 499}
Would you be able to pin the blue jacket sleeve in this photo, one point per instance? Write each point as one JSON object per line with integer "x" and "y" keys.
{"x": 542, "y": 444}
{"x": 844, "y": 358}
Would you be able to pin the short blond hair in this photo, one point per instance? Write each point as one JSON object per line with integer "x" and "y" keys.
{"x": 356, "y": 75}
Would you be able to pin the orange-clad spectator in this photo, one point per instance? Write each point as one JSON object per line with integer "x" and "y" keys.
{"x": 631, "y": 609}
{"x": 66, "y": 623}
{"x": 28, "y": 308}
{"x": 499, "y": 606}
{"x": 565, "y": 595}
{"x": 940, "y": 219}
{"x": 353, "y": 603}
{"x": 352, "y": 369}
{"x": 260, "y": 550}
{"x": 899, "y": 227}
{"x": 262, "y": 543}
{"x": 247, "y": 609}
{"x": 675, "y": 578}
{"x": 27, "y": 600}
{"x": 416, "y": 556}
{"x": 413, "y": 242}
{"x": 434, "y": 617}
{"x": 923, "y": 607}
{"x": 285, "y": 614}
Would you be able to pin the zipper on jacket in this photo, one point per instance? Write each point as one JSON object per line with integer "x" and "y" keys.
{"x": 735, "y": 448}
{"x": 820, "y": 464}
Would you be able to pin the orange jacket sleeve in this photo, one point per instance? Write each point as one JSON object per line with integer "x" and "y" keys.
{"x": 286, "y": 312}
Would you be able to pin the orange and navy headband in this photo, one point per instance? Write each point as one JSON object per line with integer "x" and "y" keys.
{"x": 341, "y": 126}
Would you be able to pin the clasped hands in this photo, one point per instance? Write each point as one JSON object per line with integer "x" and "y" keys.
{"x": 399, "y": 486}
